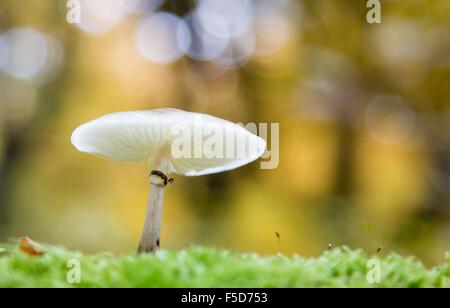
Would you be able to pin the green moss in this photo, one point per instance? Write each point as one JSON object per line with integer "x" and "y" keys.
{"x": 208, "y": 267}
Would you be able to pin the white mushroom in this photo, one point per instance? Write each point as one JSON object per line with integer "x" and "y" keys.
{"x": 171, "y": 141}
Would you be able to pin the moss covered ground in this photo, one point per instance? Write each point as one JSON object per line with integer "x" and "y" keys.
{"x": 208, "y": 267}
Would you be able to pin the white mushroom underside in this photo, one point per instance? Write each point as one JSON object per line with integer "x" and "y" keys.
{"x": 187, "y": 143}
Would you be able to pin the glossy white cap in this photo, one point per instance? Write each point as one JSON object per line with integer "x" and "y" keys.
{"x": 186, "y": 143}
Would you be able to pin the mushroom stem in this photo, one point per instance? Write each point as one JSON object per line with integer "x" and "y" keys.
{"x": 150, "y": 239}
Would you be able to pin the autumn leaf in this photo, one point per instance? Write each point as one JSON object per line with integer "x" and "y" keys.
{"x": 31, "y": 248}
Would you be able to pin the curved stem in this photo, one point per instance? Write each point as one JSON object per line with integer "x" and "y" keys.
{"x": 150, "y": 239}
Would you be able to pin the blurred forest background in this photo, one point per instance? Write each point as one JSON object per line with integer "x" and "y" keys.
{"x": 363, "y": 112}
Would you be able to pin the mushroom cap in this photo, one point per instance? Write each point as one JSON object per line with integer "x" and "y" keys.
{"x": 187, "y": 143}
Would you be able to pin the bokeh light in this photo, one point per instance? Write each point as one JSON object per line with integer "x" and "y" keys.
{"x": 162, "y": 37}
{"x": 223, "y": 18}
{"x": 100, "y": 16}
{"x": 204, "y": 45}
{"x": 24, "y": 52}
{"x": 399, "y": 41}
{"x": 27, "y": 53}
{"x": 238, "y": 52}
